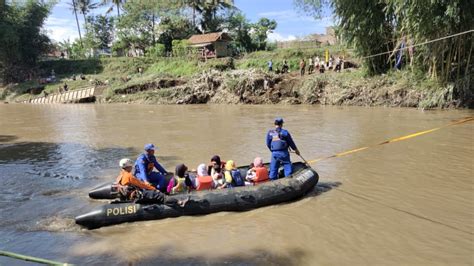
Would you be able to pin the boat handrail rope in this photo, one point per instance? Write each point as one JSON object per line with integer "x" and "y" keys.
{"x": 30, "y": 258}
{"x": 456, "y": 122}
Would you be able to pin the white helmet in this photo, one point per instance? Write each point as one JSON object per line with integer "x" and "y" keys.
{"x": 125, "y": 163}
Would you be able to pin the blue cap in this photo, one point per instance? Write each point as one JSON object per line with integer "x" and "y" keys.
{"x": 149, "y": 147}
{"x": 278, "y": 121}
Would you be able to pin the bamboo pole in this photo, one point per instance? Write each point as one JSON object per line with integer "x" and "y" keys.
{"x": 30, "y": 258}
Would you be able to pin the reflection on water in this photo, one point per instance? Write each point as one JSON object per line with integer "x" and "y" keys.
{"x": 404, "y": 203}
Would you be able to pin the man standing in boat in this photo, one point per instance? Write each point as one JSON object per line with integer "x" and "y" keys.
{"x": 279, "y": 141}
{"x": 144, "y": 166}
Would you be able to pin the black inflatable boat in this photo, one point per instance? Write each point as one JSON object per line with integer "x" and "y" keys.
{"x": 203, "y": 202}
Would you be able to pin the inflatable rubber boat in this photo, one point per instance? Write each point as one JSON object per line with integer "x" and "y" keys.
{"x": 303, "y": 179}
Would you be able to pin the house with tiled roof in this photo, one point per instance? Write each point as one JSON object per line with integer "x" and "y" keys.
{"x": 210, "y": 45}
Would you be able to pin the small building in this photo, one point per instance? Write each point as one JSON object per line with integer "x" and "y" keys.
{"x": 329, "y": 38}
{"x": 211, "y": 45}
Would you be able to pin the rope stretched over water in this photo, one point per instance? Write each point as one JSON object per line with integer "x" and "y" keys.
{"x": 29, "y": 258}
{"x": 457, "y": 122}
{"x": 418, "y": 44}
{"x": 404, "y": 211}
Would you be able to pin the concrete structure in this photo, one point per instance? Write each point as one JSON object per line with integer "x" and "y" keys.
{"x": 74, "y": 96}
{"x": 326, "y": 39}
{"x": 312, "y": 41}
{"x": 211, "y": 45}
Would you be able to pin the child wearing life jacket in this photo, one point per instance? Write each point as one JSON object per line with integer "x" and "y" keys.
{"x": 181, "y": 181}
{"x": 258, "y": 173}
{"x": 232, "y": 176}
{"x": 203, "y": 181}
{"x": 250, "y": 175}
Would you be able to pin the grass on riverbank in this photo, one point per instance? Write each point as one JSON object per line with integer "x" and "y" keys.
{"x": 122, "y": 73}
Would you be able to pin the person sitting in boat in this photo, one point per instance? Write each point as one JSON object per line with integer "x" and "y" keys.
{"x": 232, "y": 176}
{"x": 144, "y": 166}
{"x": 215, "y": 170}
{"x": 278, "y": 142}
{"x": 258, "y": 173}
{"x": 181, "y": 182}
{"x": 126, "y": 177}
{"x": 250, "y": 175}
{"x": 203, "y": 181}
{"x": 131, "y": 188}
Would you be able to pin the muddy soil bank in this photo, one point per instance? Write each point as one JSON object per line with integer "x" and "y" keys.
{"x": 259, "y": 87}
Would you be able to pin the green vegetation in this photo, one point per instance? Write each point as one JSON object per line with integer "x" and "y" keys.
{"x": 146, "y": 45}
{"x": 383, "y": 26}
{"x": 21, "y": 39}
{"x": 293, "y": 56}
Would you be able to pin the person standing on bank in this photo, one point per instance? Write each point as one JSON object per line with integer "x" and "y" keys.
{"x": 144, "y": 166}
{"x": 279, "y": 141}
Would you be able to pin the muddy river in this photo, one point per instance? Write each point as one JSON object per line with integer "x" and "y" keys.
{"x": 404, "y": 203}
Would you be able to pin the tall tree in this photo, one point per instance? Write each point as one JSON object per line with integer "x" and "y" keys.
{"x": 239, "y": 29}
{"x": 195, "y": 5}
{"x": 100, "y": 32}
{"x": 367, "y": 24}
{"x": 207, "y": 11}
{"x": 118, "y": 4}
{"x": 84, "y": 7}
{"x": 210, "y": 22}
{"x": 22, "y": 40}
{"x": 377, "y": 26}
{"x": 261, "y": 29}
{"x": 139, "y": 28}
{"x": 74, "y": 8}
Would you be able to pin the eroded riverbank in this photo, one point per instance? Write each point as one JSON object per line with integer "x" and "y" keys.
{"x": 250, "y": 86}
{"x": 258, "y": 87}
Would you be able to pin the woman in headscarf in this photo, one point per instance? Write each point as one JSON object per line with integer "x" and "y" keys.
{"x": 203, "y": 181}
{"x": 215, "y": 170}
{"x": 232, "y": 176}
{"x": 181, "y": 181}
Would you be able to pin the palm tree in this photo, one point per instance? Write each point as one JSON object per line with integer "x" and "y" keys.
{"x": 117, "y": 3}
{"x": 208, "y": 8}
{"x": 74, "y": 9}
{"x": 209, "y": 11}
{"x": 84, "y": 7}
{"x": 195, "y": 5}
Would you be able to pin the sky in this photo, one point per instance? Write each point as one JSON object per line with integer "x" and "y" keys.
{"x": 61, "y": 24}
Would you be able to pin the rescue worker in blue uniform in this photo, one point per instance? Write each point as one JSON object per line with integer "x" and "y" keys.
{"x": 144, "y": 166}
{"x": 279, "y": 141}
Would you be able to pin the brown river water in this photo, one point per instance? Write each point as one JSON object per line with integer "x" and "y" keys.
{"x": 404, "y": 203}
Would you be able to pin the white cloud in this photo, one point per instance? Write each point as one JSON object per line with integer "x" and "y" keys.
{"x": 273, "y": 14}
{"x": 63, "y": 4}
{"x": 60, "y": 29}
{"x": 275, "y": 36}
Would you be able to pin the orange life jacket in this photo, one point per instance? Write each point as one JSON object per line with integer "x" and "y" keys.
{"x": 261, "y": 174}
{"x": 127, "y": 179}
{"x": 205, "y": 182}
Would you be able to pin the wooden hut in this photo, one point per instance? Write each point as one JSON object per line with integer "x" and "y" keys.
{"x": 211, "y": 45}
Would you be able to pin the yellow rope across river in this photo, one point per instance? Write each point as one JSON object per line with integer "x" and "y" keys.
{"x": 457, "y": 122}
